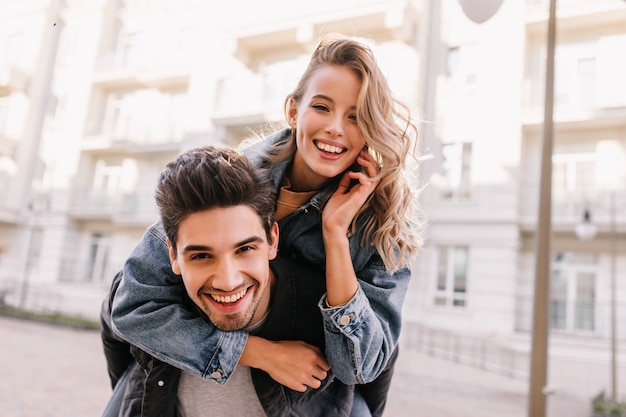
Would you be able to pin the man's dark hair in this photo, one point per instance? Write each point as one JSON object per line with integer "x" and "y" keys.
{"x": 211, "y": 177}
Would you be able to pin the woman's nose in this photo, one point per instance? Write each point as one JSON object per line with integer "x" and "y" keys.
{"x": 335, "y": 127}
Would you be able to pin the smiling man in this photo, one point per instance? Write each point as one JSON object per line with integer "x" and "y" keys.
{"x": 218, "y": 215}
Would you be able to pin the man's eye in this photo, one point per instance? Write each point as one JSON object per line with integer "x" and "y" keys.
{"x": 245, "y": 249}
{"x": 200, "y": 256}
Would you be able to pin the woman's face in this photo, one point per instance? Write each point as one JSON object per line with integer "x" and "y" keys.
{"x": 327, "y": 136}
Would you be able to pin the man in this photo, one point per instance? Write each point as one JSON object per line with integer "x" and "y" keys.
{"x": 217, "y": 213}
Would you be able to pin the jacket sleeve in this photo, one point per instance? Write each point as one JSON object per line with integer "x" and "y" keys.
{"x": 366, "y": 330}
{"x": 149, "y": 312}
{"x": 116, "y": 350}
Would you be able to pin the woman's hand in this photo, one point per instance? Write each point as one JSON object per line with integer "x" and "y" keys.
{"x": 292, "y": 363}
{"x": 347, "y": 200}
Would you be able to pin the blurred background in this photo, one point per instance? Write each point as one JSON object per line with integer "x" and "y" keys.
{"x": 96, "y": 96}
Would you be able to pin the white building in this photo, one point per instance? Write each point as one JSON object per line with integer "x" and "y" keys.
{"x": 97, "y": 95}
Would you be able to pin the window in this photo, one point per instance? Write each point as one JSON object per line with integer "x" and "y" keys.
{"x": 461, "y": 68}
{"x": 573, "y": 179}
{"x": 98, "y": 257}
{"x": 456, "y": 170}
{"x": 278, "y": 78}
{"x": 451, "y": 282}
{"x": 575, "y": 74}
{"x": 573, "y": 292}
{"x": 11, "y": 51}
{"x": 4, "y": 113}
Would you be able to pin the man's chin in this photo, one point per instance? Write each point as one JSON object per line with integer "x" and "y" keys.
{"x": 230, "y": 323}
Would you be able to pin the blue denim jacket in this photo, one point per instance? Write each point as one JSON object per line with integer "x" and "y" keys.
{"x": 149, "y": 387}
{"x": 365, "y": 330}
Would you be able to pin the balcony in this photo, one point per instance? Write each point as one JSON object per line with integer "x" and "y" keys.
{"x": 576, "y": 15}
{"x": 568, "y": 207}
{"x": 162, "y": 70}
{"x": 133, "y": 136}
{"x": 381, "y": 20}
{"x": 131, "y": 208}
{"x": 263, "y": 103}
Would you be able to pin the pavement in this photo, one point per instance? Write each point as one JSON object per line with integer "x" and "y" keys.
{"x": 52, "y": 371}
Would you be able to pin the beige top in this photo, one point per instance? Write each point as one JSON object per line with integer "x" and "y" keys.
{"x": 290, "y": 201}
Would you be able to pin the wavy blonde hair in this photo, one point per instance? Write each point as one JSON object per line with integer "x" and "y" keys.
{"x": 390, "y": 136}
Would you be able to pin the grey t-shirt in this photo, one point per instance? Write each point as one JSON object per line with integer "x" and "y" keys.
{"x": 199, "y": 397}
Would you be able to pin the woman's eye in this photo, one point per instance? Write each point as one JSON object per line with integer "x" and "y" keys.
{"x": 352, "y": 117}
{"x": 320, "y": 107}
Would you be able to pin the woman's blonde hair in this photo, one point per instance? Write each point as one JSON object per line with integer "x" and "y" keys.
{"x": 390, "y": 136}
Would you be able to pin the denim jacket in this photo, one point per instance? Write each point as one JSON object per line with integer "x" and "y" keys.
{"x": 149, "y": 387}
{"x": 361, "y": 336}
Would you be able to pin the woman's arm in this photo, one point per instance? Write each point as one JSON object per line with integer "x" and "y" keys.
{"x": 361, "y": 335}
{"x": 361, "y": 315}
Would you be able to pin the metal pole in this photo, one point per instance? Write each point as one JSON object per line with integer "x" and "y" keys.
{"x": 539, "y": 352}
{"x": 613, "y": 302}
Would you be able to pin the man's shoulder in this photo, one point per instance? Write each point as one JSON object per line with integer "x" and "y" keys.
{"x": 292, "y": 268}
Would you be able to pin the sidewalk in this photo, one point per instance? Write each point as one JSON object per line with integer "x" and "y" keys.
{"x": 52, "y": 371}
{"x": 432, "y": 387}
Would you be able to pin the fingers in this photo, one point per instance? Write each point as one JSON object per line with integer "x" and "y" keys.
{"x": 318, "y": 375}
{"x": 368, "y": 163}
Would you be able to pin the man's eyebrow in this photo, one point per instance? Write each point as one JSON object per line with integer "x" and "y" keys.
{"x": 204, "y": 248}
{"x": 251, "y": 239}
{"x": 196, "y": 248}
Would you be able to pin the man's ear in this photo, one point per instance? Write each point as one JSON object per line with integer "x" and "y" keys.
{"x": 173, "y": 260}
{"x": 274, "y": 242}
{"x": 292, "y": 112}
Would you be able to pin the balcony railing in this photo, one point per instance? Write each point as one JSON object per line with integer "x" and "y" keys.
{"x": 262, "y": 97}
{"x": 118, "y": 207}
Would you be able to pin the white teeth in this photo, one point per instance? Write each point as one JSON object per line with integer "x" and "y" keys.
{"x": 328, "y": 148}
{"x": 229, "y": 298}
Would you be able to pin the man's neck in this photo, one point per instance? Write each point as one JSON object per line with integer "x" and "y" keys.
{"x": 263, "y": 308}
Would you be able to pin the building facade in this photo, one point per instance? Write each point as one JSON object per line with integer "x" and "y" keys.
{"x": 96, "y": 96}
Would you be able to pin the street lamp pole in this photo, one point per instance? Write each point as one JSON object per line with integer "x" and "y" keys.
{"x": 613, "y": 285}
{"x": 540, "y": 330}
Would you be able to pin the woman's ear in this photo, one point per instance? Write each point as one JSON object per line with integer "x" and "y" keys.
{"x": 292, "y": 112}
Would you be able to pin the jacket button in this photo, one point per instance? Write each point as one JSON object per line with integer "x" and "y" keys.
{"x": 344, "y": 320}
{"x": 216, "y": 375}
{"x": 161, "y": 383}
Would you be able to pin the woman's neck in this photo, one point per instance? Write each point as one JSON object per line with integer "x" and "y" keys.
{"x": 301, "y": 178}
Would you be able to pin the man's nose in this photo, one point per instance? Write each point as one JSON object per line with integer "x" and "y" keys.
{"x": 226, "y": 276}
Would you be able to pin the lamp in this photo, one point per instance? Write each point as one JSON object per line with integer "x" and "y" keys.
{"x": 480, "y": 11}
{"x": 586, "y": 230}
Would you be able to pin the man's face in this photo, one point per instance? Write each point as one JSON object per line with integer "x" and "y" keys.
{"x": 223, "y": 256}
